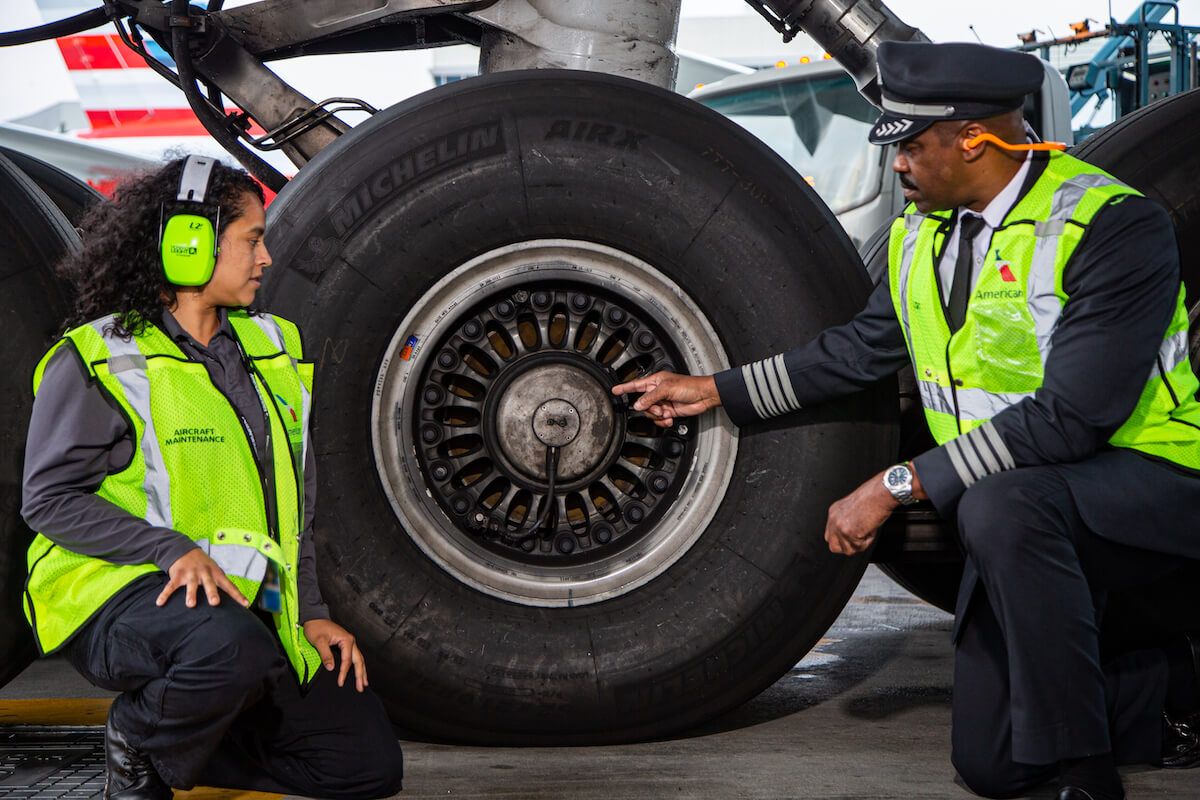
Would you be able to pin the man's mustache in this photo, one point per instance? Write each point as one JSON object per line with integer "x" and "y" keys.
{"x": 907, "y": 184}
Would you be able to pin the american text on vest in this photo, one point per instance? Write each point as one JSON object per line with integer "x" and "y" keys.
{"x": 999, "y": 294}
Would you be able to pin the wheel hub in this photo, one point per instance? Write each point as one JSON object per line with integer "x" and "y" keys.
{"x": 501, "y": 375}
{"x": 555, "y": 405}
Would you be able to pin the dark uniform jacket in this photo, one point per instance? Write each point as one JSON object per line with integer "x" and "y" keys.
{"x": 1122, "y": 284}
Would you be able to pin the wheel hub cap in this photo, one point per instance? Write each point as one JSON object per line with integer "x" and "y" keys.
{"x": 556, "y": 405}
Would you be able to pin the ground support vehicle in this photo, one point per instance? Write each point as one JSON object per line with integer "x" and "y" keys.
{"x": 1129, "y": 71}
{"x": 523, "y": 559}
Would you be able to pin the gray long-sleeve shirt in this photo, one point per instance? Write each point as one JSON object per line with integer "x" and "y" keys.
{"x": 1122, "y": 284}
{"x": 77, "y": 438}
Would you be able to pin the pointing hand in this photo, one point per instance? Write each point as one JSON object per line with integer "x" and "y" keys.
{"x": 666, "y": 395}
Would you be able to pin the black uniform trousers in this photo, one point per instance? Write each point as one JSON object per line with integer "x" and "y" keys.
{"x": 209, "y": 696}
{"x": 1031, "y": 686}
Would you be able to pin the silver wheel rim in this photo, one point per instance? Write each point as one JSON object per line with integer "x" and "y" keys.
{"x": 408, "y": 488}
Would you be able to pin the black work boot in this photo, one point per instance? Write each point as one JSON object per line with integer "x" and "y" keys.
{"x": 129, "y": 775}
{"x": 1181, "y": 742}
{"x": 1181, "y": 724}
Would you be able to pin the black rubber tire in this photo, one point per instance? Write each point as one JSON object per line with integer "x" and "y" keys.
{"x": 72, "y": 196}
{"x": 33, "y": 236}
{"x": 1156, "y": 150}
{"x": 762, "y": 257}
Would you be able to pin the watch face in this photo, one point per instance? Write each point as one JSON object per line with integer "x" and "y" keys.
{"x": 898, "y": 476}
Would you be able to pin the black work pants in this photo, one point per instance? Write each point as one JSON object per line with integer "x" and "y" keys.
{"x": 1030, "y": 685}
{"x": 209, "y": 696}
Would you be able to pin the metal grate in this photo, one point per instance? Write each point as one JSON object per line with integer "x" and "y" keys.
{"x": 51, "y": 763}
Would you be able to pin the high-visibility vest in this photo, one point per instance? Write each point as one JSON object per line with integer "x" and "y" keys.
{"x": 997, "y": 358}
{"x": 193, "y": 470}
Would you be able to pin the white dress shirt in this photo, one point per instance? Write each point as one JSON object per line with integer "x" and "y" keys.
{"x": 993, "y": 216}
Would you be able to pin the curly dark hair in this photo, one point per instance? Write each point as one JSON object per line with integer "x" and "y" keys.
{"x": 119, "y": 270}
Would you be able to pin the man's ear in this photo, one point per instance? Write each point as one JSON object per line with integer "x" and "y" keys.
{"x": 972, "y": 148}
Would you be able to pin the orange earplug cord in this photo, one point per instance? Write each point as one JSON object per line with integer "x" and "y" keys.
{"x": 991, "y": 138}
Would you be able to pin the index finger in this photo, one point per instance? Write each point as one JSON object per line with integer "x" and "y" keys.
{"x": 166, "y": 593}
{"x": 360, "y": 669}
{"x": 347, "y": 649}
{"x": 323, "y": 648}
{"x": 833, "y": 539}
{"x": 635, "y": 386}
{"x": 231, "y": 589}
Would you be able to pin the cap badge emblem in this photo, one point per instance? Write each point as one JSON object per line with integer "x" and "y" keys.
{"x": 894, "y": 128}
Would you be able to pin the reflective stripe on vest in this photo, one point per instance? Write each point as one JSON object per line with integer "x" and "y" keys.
{"x": 1174, "y": 351}
{"x": 973, "y": 404}
{"x": 242, "y": 554}
{"x": 1044, "y": 305}
{"x": 128, "y": 365}
{"x": 912, "y": 225}
{"x": 243, "y": 561}
{"x": 271, "y": 328}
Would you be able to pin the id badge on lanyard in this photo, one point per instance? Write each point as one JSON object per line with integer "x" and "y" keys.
{"x": 270, "y": 596}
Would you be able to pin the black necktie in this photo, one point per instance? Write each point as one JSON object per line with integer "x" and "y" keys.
{"x": 960, "y": 290}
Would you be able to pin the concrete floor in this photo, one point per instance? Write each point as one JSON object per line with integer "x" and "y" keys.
{"x": 865, "y": 715}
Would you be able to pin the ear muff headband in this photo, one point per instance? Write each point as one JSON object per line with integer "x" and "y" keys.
{"x": 188, "y": 241}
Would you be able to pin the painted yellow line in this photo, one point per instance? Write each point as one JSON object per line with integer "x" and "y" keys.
{"x": 71, "y": 711}
{"x": 204, "y": 793}
{"x": 93, "y": 711}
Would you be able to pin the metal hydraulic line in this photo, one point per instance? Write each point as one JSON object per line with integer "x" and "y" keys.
{"x": 849, "y": 30}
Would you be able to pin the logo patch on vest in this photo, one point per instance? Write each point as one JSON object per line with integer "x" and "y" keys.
{"x": 1004, "y": 268}
{"x": 286, "y": 405}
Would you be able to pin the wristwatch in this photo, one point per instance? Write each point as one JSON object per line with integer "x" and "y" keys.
{"x": 899, "y": 481}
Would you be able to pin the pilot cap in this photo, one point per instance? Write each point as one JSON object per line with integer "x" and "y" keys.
{"x": 922, "y": 83}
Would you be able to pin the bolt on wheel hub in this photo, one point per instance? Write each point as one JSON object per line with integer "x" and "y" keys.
{"x": 556, "y": 423}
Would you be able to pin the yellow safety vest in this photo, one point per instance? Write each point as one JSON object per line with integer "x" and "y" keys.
{"x": 193, "y": 470}
{"x": 997, "y": 358}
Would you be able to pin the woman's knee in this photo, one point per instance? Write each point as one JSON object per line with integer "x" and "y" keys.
{"x": 374, "y": 770}
{"x": 235, "y": 649}
{"x": 388, "y": 774}
{"x": 380, "y": 760}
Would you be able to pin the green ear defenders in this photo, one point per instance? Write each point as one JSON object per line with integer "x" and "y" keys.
{"x": 188, "y": 238}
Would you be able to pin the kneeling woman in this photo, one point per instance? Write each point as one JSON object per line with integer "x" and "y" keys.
{"x": 170, "y": 474}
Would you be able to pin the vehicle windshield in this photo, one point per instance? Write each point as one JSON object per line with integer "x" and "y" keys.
{"x": 820, "y": 127}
